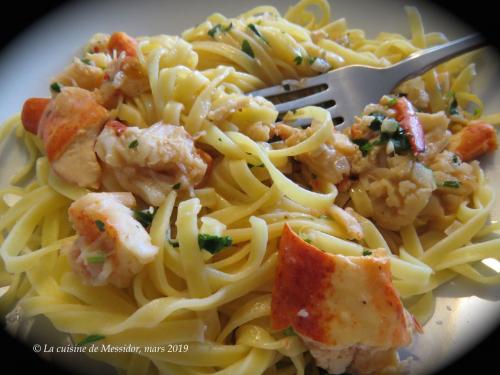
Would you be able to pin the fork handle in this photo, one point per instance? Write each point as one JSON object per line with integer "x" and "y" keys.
{"x": 421, "y": 61}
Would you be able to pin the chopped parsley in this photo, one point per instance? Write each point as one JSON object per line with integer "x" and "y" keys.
{"x": 305, "y": 238}
{"x": 377, "y": 121}
{"x": 90, "y": 339}
{"x": 311, "y": 60}
{"x": 289, "y": 332}
{"x": 56, "y": 87}
{"x": 252, "y": 27}
{"x": 451, "y": 184}
{"x": 286, "y": 86}
{"x": 245, "y": 47}
{"x": 453, "y": 108}
{"x": 177, "y": 186}
{"x": 400, "y": 141}
{"x": 133, "y": 144}
{"x": 145, "y": 217}
{"x": 214, "y": 30}
{"x": 173, "y": 243}
{"x": 456, "y": 159}
{"x": 366, "y": 252}
{"x": 255, "y": 166}
{"x": 477, "y": 112}
{"x": 298, "y": 59}
{"x": 392, "y": 101}
{"x": 96, "y": 259}
{"x": 219, "y": 29}
{"x": 100, "y": 225}
{"x": 213, "y": 244}
{"x": 86, "y": 61}
{"x": 364, "y": 145}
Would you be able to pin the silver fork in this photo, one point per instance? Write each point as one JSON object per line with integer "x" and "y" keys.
{"x": 346, "y": 91}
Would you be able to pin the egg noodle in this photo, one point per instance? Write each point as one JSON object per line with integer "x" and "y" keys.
{"x": 220, "y": 304}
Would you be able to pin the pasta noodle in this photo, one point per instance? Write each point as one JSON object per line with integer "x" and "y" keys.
{"x": 219, "y": 305}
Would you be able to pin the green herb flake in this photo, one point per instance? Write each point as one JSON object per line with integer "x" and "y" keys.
{"x": 90, "y": 339}
{"x": 453, "y": 108}
{"x": 213, "y": 244}
{"x": 311, "y": 60}
{"x": 133, "y": 144}
{"x": 286, "y": 86}
{"x": 100, "y": 225}
{"x": 173, "y": 243}
{"x": 96, "y": 259}
{"x": 364, "y": 145}
{"x": 215, "y": 30}
{"x": 252, "y": 27}
{"x": 255, "y": 166}
{"x": 366, "y": 252}
{"x": 56, "y": 87}
{"x": 392, "y": 101}
{"x": 145, "y": 217}
{"x": 400, "y": 141}
{"x": 86, "y": 61}
{"x": 219, "y": 29}
{"x": 298, "y": 59}
{"x": 377, "y": 121}
{"x": 245, "y": 47}
{"x": 456, "y": 159}
{"x": 477, "y": 112}
{"x": 177, "y": 186}
{"x": 305, "y": 238}
{"x": 289, "y": 332}
{"x": 451, "y": 184}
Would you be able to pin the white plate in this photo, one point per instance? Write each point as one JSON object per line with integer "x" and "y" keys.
{"x": 465, "y": 312}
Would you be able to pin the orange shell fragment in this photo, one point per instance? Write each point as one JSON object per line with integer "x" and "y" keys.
{"x": 473, "y": 141}
{"x": 337, "y": 300}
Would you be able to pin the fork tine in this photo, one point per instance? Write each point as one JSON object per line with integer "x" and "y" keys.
{"x": 289, "y": 86}
{"x": 305, "y": 101}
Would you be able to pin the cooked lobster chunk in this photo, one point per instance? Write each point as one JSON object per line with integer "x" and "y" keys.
{"x": 474, "y": 140}
{"x": 407, "y": 117}
{"x": 69, "y": 128}
{"x": 121, "y": 42}
{"x": 32, "y": 112}
{"x": 345, "y": 308}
